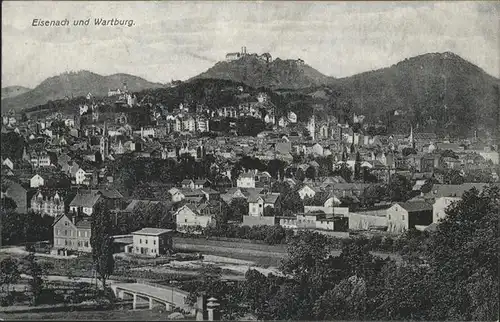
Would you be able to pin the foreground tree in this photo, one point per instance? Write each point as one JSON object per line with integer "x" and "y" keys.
{"x": 464, "y": 255}
{"x": 9, "y": 273}
{"x": 101, "y": 242}
{"x": 36, "y": 273}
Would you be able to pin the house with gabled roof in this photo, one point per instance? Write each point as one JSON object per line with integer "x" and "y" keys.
{"x": 187, "y": 184}
{"x": 8, "y": 163}
{"x": 188, "y": 218}
{"x": 84, "y": 202}
{"x": 307, "y": 191}
{"x": 201, "y": 183}
{"x": 71, "y": 234}
{"x": 257, "y": 203}
{"x": 405, "y": 215}
{"x": 37, "y": 181}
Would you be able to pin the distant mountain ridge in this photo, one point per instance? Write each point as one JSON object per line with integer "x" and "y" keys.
{"x": 11, "y": 91}
{"x": 75, "y": 84}
{"x": 277, "y": 74}
{"x": 435, "y": 92}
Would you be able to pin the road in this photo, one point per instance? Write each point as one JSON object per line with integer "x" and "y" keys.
{"x": 75, "y": 279}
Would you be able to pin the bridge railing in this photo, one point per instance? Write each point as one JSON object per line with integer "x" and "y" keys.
{"x": 168, "y": 288}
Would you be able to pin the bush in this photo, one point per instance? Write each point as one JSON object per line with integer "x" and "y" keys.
{"x": 272, "y": 235}
{"x": 6, "y": 300}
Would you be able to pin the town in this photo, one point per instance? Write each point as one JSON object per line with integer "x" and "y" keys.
{"x": 260, "y": 189}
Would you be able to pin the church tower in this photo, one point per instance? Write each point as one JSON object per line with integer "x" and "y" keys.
{"x": 104, "y": 143}
{"x": 25, "y": 155}
{"x": 411, "y": 138}
{"x": 311, "y": 126}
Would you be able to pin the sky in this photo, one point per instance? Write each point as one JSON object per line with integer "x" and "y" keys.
{"x": 178, "y": 40}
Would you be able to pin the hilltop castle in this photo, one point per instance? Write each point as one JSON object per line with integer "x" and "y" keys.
{"x": 265, "y": 57}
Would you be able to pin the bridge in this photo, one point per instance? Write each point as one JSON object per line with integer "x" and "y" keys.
{"x": 154, "y": 293}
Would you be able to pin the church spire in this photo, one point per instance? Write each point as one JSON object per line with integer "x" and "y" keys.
{"x": 412, "y": 140}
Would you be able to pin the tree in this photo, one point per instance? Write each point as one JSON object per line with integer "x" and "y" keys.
{"x": 36, "y": 273}
{"x": 399, "y": 188}
{"x": 452, "y": 176}
{"x": 237, "y": 209}
{"x": 449, "y": 154}
{"x": 305, "y": 251}
{"x": 357, "y": 167}
{"x": 9, "y": 272}
{"x": 291, "y": 203}
{"x": 373, "y": 194}
{"x": 269, "y": 212}
{"x": 464, "y": 256}
{"x": 12, "y": 145}
{"x": 408, "y": 151}
{"x": 300, "y": 175}
{"x": 325, "y": 166}
{"x": 368, "y": 176}
{"x": 276, "y": 167}
{"x": 101, "y": 242}
{"x": 311, "y": 173}
{"x": 344, "y": 171}
{"x": 347, "y": 301}
{"x": 8, "y": 204}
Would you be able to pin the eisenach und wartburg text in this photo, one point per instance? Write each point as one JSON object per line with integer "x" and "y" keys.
{"x": 82, "y": 22}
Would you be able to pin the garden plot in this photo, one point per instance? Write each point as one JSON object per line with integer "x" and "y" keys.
{"x": 230, "y": 266}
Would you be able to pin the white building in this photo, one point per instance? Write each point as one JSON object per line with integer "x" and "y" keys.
{"x": 80, "y": 176}
{"x": 151, "y": 242}
{"x": 8, "y": 163}
{"x": 246, "y": 180}
{"x": 306, "y": 191}
{"x": 202, "y": 124}
{"x": 36, "y": 181}
{"x": 187, "y": 217}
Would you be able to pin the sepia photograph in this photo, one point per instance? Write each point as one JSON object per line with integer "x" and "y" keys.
{"x": 250, "y": 160}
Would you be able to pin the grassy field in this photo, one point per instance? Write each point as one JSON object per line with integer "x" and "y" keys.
{"x": 113, "y": 315}
{"x": 264, "y": 255}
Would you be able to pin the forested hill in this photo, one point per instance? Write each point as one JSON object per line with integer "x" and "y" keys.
{"x": 279, "y": 73}
{"x": 439, "y": 92}
{"x": 72, "y": 85}
{"x": 11, "y": 91}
